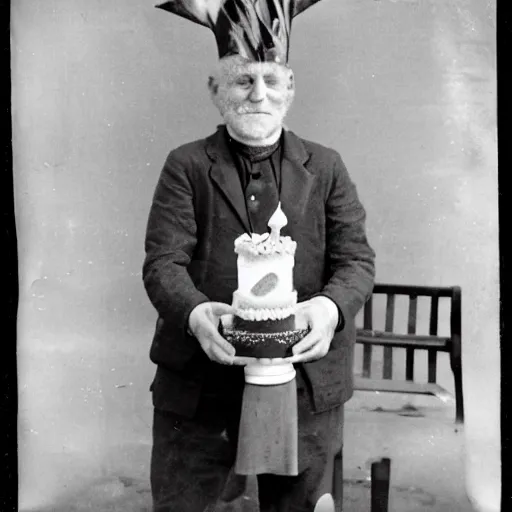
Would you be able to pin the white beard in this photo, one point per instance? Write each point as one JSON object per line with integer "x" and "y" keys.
{"x": 253, "y": 127}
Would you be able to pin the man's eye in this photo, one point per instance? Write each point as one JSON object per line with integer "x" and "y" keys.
{"x": 271, "y": 81}
{"x": 243, "y": 81}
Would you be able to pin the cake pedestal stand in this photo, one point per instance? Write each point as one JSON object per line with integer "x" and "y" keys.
{"x": 269, "y": 374}
{"x": 265, "y": 352}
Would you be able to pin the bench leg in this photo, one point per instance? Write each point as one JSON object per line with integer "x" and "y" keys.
{"x": 456, "y": 365}
{"x": 337, "y": 481}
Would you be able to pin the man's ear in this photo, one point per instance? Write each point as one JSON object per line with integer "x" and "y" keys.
{"x": 213, "y": 86}
{"x": 291, "y": 80}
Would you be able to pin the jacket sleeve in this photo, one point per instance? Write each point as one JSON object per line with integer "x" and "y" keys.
{"x": 169, "y": 245}
{"x": 350, "y": 257}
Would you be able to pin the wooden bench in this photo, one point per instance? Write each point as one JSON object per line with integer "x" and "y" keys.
{"x": 411, "y": 341}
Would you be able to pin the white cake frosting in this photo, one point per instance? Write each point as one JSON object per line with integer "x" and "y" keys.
{"x": 265, "y": 292}
{"x": 265, "y": 273}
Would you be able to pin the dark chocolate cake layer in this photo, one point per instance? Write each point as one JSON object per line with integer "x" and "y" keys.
{"x": 264, "y": 326}
{"x": 265, "y": 345}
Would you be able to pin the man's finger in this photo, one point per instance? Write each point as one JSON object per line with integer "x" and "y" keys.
{"x": 211, "y": 338}
{"x": 303, "y": 314}
{"x": 316, "y": 351}
{"x": 299, "y": 358}
{"x": 219, "y": 309}
{"x": 311, "y": 339}
{"x": 314, "y": 321}
{"x": 214, "y": 345}
{"x": 219, "y": 355}
{"x": 304, "y": 357}
{"x": 222, "y": 343}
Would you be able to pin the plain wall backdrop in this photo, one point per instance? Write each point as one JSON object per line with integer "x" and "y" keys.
{"x": 102, "y": 91}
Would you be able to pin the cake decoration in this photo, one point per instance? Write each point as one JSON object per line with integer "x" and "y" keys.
{"x": 264, "y": 245}
{"x": 265, "y": 285}
{"x": 263, "y": 325}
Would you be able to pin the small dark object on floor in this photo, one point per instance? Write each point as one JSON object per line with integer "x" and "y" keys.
{"x": 380, "y": 485}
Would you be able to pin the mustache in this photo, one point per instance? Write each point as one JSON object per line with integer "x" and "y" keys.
{"x": 245, "y": 109}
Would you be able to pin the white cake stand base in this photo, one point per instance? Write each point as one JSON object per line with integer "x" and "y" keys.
{"x": 269, "y": 374}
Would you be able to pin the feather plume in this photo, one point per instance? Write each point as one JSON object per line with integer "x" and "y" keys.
{"x": 302, "y": 5}
{"x": 255, "y": 29}
{"x": 204, "y": 12}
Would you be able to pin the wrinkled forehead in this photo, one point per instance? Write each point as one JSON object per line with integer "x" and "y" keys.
{"x": 230, "y": 68}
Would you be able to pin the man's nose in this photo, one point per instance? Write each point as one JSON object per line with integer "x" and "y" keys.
{"x": 258, "y": 91}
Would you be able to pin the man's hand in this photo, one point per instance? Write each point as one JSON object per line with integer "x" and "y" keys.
{"x": 321, "y": 315}
{"x": 203, "y": 322}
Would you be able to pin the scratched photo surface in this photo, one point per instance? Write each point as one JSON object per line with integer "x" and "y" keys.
{"x": 404, "y": 90}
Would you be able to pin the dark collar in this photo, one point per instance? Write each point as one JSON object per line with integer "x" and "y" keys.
{"x": 293, "y": 148}
{"x": 253, "y": 153}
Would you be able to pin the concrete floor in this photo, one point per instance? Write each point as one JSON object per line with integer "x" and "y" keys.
{"x": 427, "y": 471}
{"x": 425, "y": 446}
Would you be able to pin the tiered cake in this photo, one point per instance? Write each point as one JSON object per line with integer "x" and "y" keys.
{"x": 263, "y": 325}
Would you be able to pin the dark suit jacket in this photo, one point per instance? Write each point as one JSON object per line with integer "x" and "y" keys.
{"x": 199, "y": 209}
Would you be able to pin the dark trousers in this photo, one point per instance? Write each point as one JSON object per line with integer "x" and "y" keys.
{"x": 192, "y": 459}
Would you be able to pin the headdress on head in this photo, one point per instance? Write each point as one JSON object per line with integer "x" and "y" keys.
{"x": 257, "y": 30}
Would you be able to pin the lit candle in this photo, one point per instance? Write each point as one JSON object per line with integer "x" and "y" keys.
{"x": 276, "y": 223}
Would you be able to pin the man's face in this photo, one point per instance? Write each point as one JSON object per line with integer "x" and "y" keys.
{"x": 252, "y": 97}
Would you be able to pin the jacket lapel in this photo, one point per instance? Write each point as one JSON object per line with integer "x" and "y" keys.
{"x": 225, "y": 175}
{"x": 296, "y": 180}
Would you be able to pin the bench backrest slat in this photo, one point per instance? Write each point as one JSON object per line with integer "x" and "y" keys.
{"x": 387, "y": 369}
{"x": 411, "y": 329}
{"x": 367, "y": 349}
{"x": 433, "y": 329}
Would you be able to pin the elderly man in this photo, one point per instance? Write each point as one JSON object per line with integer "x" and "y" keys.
{"x": 209, "y": 192}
